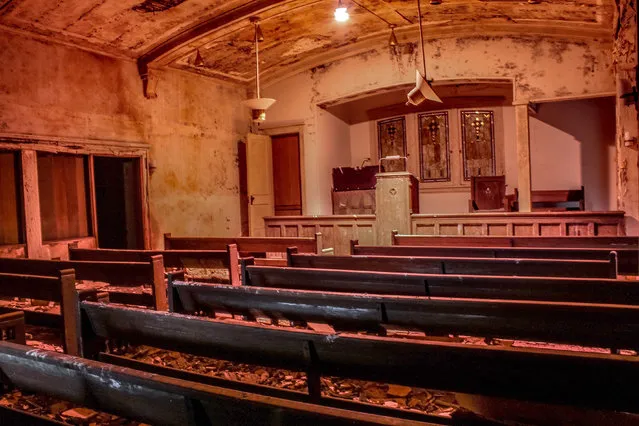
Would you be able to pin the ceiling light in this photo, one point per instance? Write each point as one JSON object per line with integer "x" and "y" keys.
{"x": 392, "y": 41}
{"x": 341, "y": 12}
{"x": 258, "y": 105}
{"x": 423, "y": 90}
{"x": 198, "y": 61}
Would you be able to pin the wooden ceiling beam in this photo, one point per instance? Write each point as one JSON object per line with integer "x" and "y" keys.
{"x": 200, "y": 29}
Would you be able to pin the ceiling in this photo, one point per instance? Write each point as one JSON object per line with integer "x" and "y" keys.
{"x": 299, "y": 34}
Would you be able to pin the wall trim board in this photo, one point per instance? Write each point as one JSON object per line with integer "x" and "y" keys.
{"x": 565, "y": 98}
{"x": 84, "y": 46}
{"x": 76, "y": 145}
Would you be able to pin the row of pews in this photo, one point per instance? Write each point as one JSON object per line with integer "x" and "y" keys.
{"x": 353, "y": 310}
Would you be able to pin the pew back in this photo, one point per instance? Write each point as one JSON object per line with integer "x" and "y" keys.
{"x": 57, "y": 287}
{"x": 627, "y": 257}
{"x": 550, "y": 377}
{"x": 461, "y": 266}
{"x": 246, "y": 245}
{"x": 123, "y": 274}
{"x": 161, "y": 400}
{"x": 587, "y": 290}
{"x": 488, "y": 241}
{"x": 217, "y": 259}
{"x": 615, "y": 326}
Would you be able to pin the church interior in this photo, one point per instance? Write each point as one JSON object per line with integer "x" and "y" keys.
{"x": 344, "y": 212}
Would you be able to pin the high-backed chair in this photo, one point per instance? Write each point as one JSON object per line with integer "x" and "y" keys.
{"x": 487, "y": 193}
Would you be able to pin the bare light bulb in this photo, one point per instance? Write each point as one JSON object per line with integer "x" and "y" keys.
{"x": 341, "y": 13}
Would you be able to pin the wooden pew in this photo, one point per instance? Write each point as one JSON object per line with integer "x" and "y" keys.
{"x": 509, "y": 241}
{"x": 180, "y": 259}
{"x": 247, "y": 246}
{"x": 549, "y": 199}
{"x": 612, "y": 326}
{"x": 59, "y": 289}
{"x": 123, "y": 274}
{"x": 555, "y": 377}
{"x": 586, "y": 290}
{"x": 545, "y": 267}
{"x": 627, "y": 248}
{"x": 155, "y": 399}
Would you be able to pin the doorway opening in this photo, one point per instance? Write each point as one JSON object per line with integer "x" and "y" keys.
{"x": 287, "y": 179}
{"x": 118, "y": 203}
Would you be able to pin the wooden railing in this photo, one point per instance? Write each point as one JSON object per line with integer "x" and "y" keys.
{"x": 551, "y": 224}
{"x": 337, "y": 231}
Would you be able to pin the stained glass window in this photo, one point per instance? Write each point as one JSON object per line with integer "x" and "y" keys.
{"x": 433, "y": 147}
{"x": 478, "y": 143}
{"x": 392, "y": 141}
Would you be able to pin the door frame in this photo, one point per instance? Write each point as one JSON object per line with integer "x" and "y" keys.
{"x": 289, "y": 130}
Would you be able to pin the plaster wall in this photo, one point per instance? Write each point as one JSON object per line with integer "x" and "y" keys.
{"x": 541, "y": 68}
{"x": 334, "y": 150}
{"x": 192, "y": 127}
{"x": 573, "y": 144}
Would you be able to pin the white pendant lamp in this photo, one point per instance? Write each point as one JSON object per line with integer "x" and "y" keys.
{"x": 423, "y": 90}
{"x": 258, "y": 105}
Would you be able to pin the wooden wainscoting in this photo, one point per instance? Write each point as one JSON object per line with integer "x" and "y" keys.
{"x": 337, "y": 231}
{"x": 551, "y": 224}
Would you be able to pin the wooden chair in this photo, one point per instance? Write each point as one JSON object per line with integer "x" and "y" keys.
{"x": 549, "y": 200}
{"x": 487, "y": 193}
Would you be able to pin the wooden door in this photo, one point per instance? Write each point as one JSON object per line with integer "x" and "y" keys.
{"x": 259, "y": 182}
{"x": 287, "y": 187}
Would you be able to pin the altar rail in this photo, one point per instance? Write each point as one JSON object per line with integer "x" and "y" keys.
{"x": 338, "y": 230}
{"x": 547, "y": 224}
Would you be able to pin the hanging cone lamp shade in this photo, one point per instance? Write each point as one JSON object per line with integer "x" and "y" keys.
{"x": 423, "y": 90}
{"x": 258, "y": 105}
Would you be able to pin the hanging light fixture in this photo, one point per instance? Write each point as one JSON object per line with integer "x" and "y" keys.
{"x": 392, "y": 41}
{"x": 341, "y": 12}
{"x": 423, "y": 90}
{"x": 258, "y": 105}
{"x": 198, "y": 61}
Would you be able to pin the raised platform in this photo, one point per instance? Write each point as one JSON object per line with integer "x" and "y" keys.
{"x": 337, "y": 231}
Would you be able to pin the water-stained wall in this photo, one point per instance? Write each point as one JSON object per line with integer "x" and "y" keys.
{"x": 541, "y": 69}
{"x": 192, "y": 126}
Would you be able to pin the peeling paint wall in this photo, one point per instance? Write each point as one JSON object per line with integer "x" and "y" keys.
{"x": 541, "y": 68}
{"x": 192, "y": 126}
{"x": 625, "y": 66}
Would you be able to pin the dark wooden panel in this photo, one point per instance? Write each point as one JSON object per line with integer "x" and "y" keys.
{"x": 117, "y": 273}
{"x": 587, "y": 290}
{"x": 287, "y": 184}
{"x": 401, "y": 417}
{"x": 559, "y": 242}
{"x": 627, "y": 258}
{"x": 461, "y": 266}
{"x": 161, "y": 400}
{"x": 29, "y": 286}
{"x": 244, "y": 244}
{"x": 172, "y": 258}
{"x": 10, "y": 227}
{"x": 63, "y": 196}
{"x": 614, "y": 326}
{"x": 543, "y": 376}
